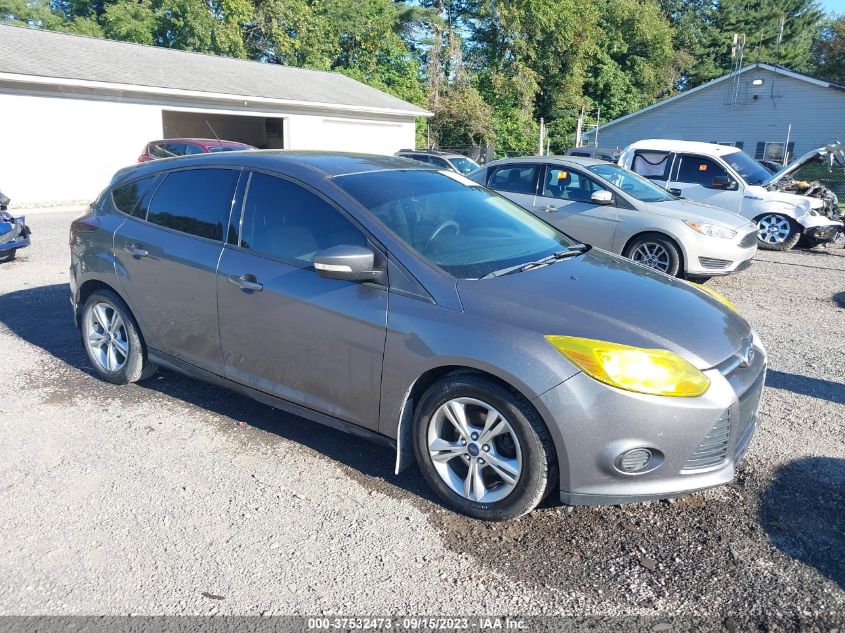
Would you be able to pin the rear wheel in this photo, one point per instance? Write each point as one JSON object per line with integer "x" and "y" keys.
{"x": 483, "y": 448}
{"x": 655, "y": 251}
{"x": 777, "y": 232}
{"x": 112, "y": 340}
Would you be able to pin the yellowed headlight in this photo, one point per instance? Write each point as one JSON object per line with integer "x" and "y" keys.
{"x": 717, "y": 296}
{"x": 653, "y": 371}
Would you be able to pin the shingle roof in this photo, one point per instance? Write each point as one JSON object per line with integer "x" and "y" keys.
{"x": 35, "y": 52}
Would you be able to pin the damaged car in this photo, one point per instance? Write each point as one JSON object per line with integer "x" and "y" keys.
{"x": 804, "y": 177}
{"x": 725, "y": 176}
{"x": 14, "y": 233}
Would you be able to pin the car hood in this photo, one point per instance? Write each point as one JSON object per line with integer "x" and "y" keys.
{"x": 697, "y": 212}
{"x": 833, "y": 153}
{"x": 602, "y": 296}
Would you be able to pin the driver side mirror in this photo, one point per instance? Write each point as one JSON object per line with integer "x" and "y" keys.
{"x": 350, "y": 263}
{"x": 601, "y": 197}
{"x": 725, "y": 183}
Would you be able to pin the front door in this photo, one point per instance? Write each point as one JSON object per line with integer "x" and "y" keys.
{"x": 704, "y": 180}
{"x": 287, "y": 331}
{"x": 167, "y": 263}
{"x": 565, "y": 201}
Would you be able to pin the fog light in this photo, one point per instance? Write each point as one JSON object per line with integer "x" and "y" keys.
{"x": 636, "y": 460}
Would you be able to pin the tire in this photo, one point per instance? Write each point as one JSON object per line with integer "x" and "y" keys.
{"x": 118, "y": 354}
{"x": 8, "y": 255}
{"x": 524, "y": 448}
{"x": 655, "y": 251}
{"x": 777, "y": 232}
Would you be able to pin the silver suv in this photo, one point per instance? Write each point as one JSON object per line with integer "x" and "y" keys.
{"x": 412, "y": 306}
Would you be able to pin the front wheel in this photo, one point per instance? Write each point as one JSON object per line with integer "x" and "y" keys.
{"x": 112, "y": 340}
{"x": 777, "y": 232}
{"x": 655, "y": 251}
{"x": 483, "y": 449}
{"x": 8, "y": 255}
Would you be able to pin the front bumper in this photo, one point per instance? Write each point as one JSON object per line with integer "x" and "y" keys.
{"x": 693, "y": 445}
{"x": 712, "y": 256}
{"x": 821, "y": 227}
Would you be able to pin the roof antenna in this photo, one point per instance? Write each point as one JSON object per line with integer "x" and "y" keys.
{"x": 215, "y": 134}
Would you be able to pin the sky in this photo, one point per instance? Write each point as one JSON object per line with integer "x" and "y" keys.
{"x": 834, "y": 6}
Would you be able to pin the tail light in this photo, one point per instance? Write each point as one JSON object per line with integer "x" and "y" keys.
{"x": 87, "y": 223}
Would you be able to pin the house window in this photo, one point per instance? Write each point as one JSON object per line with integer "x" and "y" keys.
{"x": 774, "y": 150}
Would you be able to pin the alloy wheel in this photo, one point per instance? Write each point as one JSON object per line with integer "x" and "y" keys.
{"x": 653, "y": 255}
{"x": 474, "y": 450}
{"x": 106, "y": 337}
{"x": 773, "y": 229}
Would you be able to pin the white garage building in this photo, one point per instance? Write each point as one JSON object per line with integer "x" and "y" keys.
{"x": 75, "y": 109}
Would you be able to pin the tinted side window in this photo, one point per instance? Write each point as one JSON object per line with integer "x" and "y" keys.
{"x": 654, "y": 165}
{"x": 133, "y": 198}
{"x": 699, "y": 170}
{"x": 514, "y": 178}
{"x": 195, "y": 201}
{"x": 190, "y": 148}
{"x": 285, "y": 220}
{"x": 420, "y": 157}
{"x": 439, "y": 162}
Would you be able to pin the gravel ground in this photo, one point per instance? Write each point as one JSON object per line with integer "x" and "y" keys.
{"x": 175, "y": 497}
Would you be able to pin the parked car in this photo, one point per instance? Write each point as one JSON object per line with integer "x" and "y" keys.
{"x": 14, "y": 233}
{"x": 172, "y": 147}
{"x": 609, "y": 154}
{"x": 602, "y": 204}
{"x": 445, "y": 160}
{"x": 411, "y": 306}
{"x": 725, "y": 176}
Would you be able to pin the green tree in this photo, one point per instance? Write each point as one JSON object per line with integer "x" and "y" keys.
{"x": 829, "y": 51}
{"x": 635, "y": 62}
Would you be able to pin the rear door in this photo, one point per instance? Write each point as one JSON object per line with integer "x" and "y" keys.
{"x": 705, "y": 180}
{"x": 516, "y": 181}
{"x": 287, "y": 331}
{"x": 167, "y": 258}
{"x": 564, "y": 200}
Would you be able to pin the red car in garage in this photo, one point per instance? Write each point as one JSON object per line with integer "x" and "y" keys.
{"x": 170, "y": 147}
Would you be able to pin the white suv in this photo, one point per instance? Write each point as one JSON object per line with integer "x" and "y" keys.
{"x": 725, "y": 176}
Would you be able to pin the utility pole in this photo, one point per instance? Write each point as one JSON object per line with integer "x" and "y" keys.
{"x": 786, "y": 147}
{"x": 542, "y": 136}
{"x": 598, "y": 115}
{"x": 579, "y": 127}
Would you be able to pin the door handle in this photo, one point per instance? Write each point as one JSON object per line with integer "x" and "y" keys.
{"x": 246, "y": 282}
{"x": 550, "y": 208}
{"x": 136, "y": 250}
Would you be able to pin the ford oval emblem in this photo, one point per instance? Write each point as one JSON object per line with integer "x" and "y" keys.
{"x": 747, "y": 358}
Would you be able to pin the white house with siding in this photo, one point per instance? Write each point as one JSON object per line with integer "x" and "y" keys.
{"x": 75, "y": 109}
{"x": 751, "y": 109}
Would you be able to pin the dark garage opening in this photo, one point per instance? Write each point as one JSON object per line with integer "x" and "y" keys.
{"x": 262, "y": 132}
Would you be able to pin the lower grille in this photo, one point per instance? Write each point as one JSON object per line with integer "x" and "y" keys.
{"x": 713, "y": 449}
{"x": 749, "y": 240}
{"x": 710, "y": 262}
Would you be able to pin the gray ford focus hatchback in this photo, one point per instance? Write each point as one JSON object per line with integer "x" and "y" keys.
{"x": 412, "y": 306}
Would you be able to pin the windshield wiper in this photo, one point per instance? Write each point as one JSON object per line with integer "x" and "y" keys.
{"x": 572, "y": 251}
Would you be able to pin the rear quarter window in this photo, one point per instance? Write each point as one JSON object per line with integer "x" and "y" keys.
{"x": 133, "y": 198}
{"x": 195, "y": 201}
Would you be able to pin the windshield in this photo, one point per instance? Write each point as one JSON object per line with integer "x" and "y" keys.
{"x": 464, "y": 165}
{"x": 633, "y": 184}
{"x": 463, "y": 228}
{"x": 749, "y": 169}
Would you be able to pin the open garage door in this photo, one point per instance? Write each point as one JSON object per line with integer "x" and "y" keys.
{"x": 262, "y": 132}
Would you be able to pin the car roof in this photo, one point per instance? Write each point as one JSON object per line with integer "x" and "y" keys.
{"x": 316, "y": 163}
{"x": 432, "y": 152}
{"x": 594, "y": 150}
{"x": 584, "y": 161}
{"x": 673, "y": 145}
{"x": 198, "y": 141}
